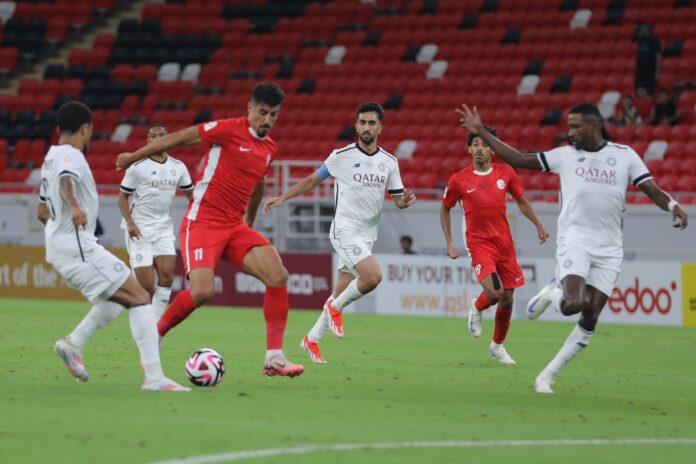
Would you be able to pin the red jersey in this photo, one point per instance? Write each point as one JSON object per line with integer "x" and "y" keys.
{"x": 483, "y": 197}
{"x": 236, "y": 161}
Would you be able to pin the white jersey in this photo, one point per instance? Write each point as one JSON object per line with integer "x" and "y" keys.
{"x": 153, "y": 186}
{"x": 65, "y": 241}
{"x": 361, "y": 179}
{"x": 593, "y": 192}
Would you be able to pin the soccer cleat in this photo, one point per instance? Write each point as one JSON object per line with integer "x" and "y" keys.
{"x": 312, "y": 350}
{"x": 474, "y": 320}
{"x": 72, "y": 357}
{"x": 542, "y": 384}
{"x": 164, "y": 385}
{"x": 542, "y": 300}
{"x": 335, "y": 318}
{"x": 500, "y": 353}
{"x": 280, "y": 365}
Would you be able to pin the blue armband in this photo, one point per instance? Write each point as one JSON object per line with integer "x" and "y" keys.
{"x": 322, "y": 172}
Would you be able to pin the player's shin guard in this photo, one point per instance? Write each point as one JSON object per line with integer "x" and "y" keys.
{"x": 482, "y": 301}
{"x": 144, "y": 330}
{"x": 502, "y": 323}
{"x": 578, "y": 339}
{"x": 181, "y": 307}
{"x": 97, "y": 318}
{"x": 275, "y": 311}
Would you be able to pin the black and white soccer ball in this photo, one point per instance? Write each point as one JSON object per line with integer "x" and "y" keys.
{"x": 205, "y": 367}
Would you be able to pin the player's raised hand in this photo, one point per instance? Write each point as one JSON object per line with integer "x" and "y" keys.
{"x": 78, "y": 216}
{"x": 471, "y": 120}
{"x": 542, "y": 234}
{"x": 134, "y": 231}
{"x": 123, "y": 161}
{"x": 679, "y": 218}
{"x": 451, "y": 252}
{"x": 272, "y": 203}
{"x": 409, "y": 198}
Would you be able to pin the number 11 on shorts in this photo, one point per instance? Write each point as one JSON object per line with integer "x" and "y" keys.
{"x": 197, "y": 254}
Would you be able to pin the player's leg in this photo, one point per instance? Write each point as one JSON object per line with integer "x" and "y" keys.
{"x": 144, "y": 330}
{"x": 264, "y": 263}
{"x": 487, "y": 275}
{"x": 164, "y": 265}
{"x": 310, "y": 343}
{"x": 201, "y": 248}
{"x": 503, "y": 314}
{"x": 140, "y": 258}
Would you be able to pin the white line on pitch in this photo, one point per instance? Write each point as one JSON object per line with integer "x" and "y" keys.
{"x": 307, "y": 449}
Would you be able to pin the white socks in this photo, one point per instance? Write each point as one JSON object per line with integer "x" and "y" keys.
{"x": 160, "y": 300}
{"x": 271, "y": 353}
{"x": 556, "y": 296}
{"x": 578, "y": 339}
{"x": 144, "y": 329}
{"x": 347, "y": 296}
{"x": 97, "y": 318}
{"x": 320, "y": 327}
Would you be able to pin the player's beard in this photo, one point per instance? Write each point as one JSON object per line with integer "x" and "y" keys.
{"x": 367, "y": 138}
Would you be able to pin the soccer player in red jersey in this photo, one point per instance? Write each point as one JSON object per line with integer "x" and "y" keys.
{"x": 218, "y": 221}
{"x": 482, "y": 190}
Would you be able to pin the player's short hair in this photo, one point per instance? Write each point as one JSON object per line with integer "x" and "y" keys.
{"x": 156, "y": 124}
{"x": 588, "y": 110}
{"x": 71, "y": 116}
{"x": 269, "y": 93}
{"x": 471, "y": 136}
{"x": 370, "y": 107}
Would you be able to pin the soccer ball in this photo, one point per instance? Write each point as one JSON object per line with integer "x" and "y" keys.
{"x": 205, "y": 367}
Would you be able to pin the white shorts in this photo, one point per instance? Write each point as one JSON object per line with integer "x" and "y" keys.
{"x": 599, "y": 267}
{"x": 97, "y": 277}
{"x": 351, "y": 250}
{"x": 141, "y": 252}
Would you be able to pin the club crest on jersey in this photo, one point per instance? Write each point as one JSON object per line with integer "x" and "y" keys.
{"x": 500, "y": 184}
{"x": 173, "y": 172}
{"x": 209, "y": 125}
{"x": 382, "y": 167}
{"x": 611, "y": 161}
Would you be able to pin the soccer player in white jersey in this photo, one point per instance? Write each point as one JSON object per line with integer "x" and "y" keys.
{"x": 363, "y": 171}
{"x": 595, "y": 175}
{"x": 68, "y": 207}
{"x": 145, "y": 201}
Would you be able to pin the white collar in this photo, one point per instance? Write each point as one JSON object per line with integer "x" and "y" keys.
{"x": 483, "y": 173}
{"x": 254, "y": 134}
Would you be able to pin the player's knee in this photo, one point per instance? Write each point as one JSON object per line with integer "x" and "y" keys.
{"x": 148, "y": 286}
{"x": 165, "y": 280}
{"x": 140, "y": 297}
{"x": 202, "y": 292}
{"x": 278, "y": 277}
{"x": 372, "y": 279}
{"x": 494, "y": 296}
{"x": 573, "y": 303}
{"x": 506, "y": 301}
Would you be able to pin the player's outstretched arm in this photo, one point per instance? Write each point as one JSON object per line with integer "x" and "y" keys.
{"x": 526, "y": 208}
{"x": 67, "y": 191}
{"x": 471, "y": 120}
{"x": 188, "y": 136}
{"x": 406, "y": 199}
{"x": 447, "y": 230}
{"x": 304, "y": 186}
{"x": 665, "y": 202}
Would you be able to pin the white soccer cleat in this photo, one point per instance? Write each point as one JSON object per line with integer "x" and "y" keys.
{"x": 164, "y": 384}
{"x": 499, "y": 353}
{"x": 72, "y": 357}
{"x": 474, "y": 320}
{"x": 542, "y": 300}
{"x": 542, "y": 384}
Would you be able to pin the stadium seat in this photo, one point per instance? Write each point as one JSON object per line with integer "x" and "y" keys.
{"x": 656, "y": 150}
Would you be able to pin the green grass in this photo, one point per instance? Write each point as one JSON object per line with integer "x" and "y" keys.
{"x": 391, "y": 379}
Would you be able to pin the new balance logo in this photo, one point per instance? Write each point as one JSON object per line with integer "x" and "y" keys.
{"x": 356, "y": 165}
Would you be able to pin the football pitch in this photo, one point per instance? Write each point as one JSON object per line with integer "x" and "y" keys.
{"x": 396, "y": 390}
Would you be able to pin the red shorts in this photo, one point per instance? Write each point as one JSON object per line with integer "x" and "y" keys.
{"x": 203, "y": 244}
{"x": 508, "y": 270}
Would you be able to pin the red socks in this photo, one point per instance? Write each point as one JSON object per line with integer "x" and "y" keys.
{"x": 275, "y": 311}
{"x": 482, "y": 301}
{"x": 502, "y": 323}
{"x": 178, "y": 310}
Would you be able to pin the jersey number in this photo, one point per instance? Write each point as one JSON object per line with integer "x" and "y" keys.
{"x": 198, "y": 254}
{"x": 51, "y": 210}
